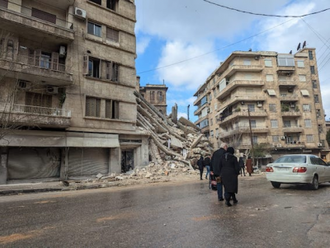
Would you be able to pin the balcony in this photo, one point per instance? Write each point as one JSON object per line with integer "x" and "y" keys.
{"x": 288, "y": 97}
{"x": 244, "y": 129}
{"x": 291, "y": 113}
{"x": 37, "y": 70}
{"x": 242, "y": 113}
{"x": 243, "y": 98}
{"x": 287, "y": 84}
{"x": 293, "y": 129}
{"x": 35, "y": 116}
{"x": 238, "y": 83}
{"x": 198, "y": 111}
{"x": 18, "y": 19}
{"x": 243, "y": 68}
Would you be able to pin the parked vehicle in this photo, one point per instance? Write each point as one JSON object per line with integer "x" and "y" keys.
{"x": 298, "y": 169}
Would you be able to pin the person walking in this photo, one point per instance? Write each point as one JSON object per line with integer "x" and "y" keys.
{"x": 229, "y": 175}
{"x": 249, "y": 167}
{"x": 200, "y": 164}
{"x": 241, "y": 165}
{"x": 207, "y": 164}
{"x": 215, "y": 168}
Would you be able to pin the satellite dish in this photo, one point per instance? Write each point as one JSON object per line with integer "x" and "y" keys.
{"x": 298, "y": 47}
{"x": 304, "y": 44}
{"x": 290, "y": 52}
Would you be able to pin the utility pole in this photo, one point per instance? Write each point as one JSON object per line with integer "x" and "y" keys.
{"x": 188, "y": 111}
{"x": 249, "y": 116}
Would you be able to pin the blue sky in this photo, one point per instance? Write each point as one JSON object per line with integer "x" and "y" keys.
{"x": 181, "y": 42}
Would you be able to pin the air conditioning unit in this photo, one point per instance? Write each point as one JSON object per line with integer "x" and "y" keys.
{"x": 80, "y": 13}
{"x": 259, "y": 104}
{"x": 320, "y": 144}
{"x": 52, "y": 90}
{"x": 282, "y": 137}
{"x": 62, "y": 51}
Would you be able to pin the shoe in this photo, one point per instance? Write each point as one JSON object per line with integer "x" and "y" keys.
{"x": 228, "y": 204}
{"x": 235, "y": 201}
{"x": 221, "y": 199}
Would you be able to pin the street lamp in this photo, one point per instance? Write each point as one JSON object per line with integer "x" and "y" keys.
{"x": 188, "y": 111}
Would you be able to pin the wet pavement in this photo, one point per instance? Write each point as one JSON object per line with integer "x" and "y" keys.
{"x": 168, "y": 215}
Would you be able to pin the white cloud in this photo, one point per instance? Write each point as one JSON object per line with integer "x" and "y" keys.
{"x": 186, "y": 72}
{"x": 142, "y": 44}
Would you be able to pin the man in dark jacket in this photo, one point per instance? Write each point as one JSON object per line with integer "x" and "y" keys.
{"x": 215, "y": 167}
{"x": 200, "y": 164}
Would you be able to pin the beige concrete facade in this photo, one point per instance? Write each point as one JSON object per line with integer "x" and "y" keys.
{"x": 67, "y": 78}
{"x": 265, "y": 98}
{"x": 155, "y": 94}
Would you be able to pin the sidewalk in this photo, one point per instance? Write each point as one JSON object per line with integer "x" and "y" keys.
{"x": 88, "y": 183}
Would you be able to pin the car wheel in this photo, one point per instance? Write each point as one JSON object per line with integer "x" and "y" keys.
{"x": 276, "y": 184}
{"x": 315, "y": 183}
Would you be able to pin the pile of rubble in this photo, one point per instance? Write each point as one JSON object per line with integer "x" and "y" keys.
{"x": 174, "y": 146}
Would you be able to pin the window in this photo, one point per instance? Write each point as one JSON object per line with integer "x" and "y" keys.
{"x": 204, "y": 100}
{"x": 316, "y": 98}
{"x": 251, "y": 107}
{"x": 112, "y": 71}
{"x": 212, "y": 133}
{"x": 42, "y": 15}
{"x": 247, "y": 62}
{"x": 94, "y": 67}
{"x": 112, "y": 4}
{"x": 272, "y": 108}
{"x": 255, "y": 139}
{"x": 253, "y": 123}
{"x": 285, "y": 60}
{"x": 211, "y": 121}
{"x": 313, "y": 69}
{"x": 310, "y": 55}
{"x": 10, "y": 50}
{"x": 318, "y": 113}
{"x": 308, "y": 123}
{"x": 45, "y": 60}
{"x": 268, "y": 63}
{"x": 314, "y": 84}
{"x": 160, "y": 96}
{"x": 204, "y": 123}
{"x": 275, "y": 138}
{"x": 93, "y": 106}
{"x": 111, "y": 109}
{"x": 274, "y": 123}
{"x": 152, "y": 96}
{"x": 306, "y": 107}
{"x": 96, "y": 1}
{"x": 112, "y": 34}
{"x": 269, "y": 78}
{"x": 309, "y": 138}
{"x": 210, "y": 97}
{"x": 302, "y": 78}
{"x": 4, "y": 4}
{"x": 300, "y": 63}
{"x": 286, "y": 123}
{"x": 94, "y": 29}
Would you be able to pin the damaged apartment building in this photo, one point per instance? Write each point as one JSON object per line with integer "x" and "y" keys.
{"x": 67, "y": 82}
{"x": 265, "y": 98}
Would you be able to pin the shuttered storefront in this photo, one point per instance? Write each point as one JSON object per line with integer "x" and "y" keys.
{"x": 88, "y": 161}
{"x": 33, "y": 163}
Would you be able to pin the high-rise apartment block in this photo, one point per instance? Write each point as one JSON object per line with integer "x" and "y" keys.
{"x": 67, "y": 82}
{"x": 265, "y": 98}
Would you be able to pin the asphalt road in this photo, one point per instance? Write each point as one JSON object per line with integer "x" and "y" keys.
{"x": 169, "y": 215}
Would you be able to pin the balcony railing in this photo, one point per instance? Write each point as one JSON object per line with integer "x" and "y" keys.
{"x": 28, "y": 109}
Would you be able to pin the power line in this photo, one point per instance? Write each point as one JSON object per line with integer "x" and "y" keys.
{"x": 232, "y": 44}
{"x": 268, "y": 15}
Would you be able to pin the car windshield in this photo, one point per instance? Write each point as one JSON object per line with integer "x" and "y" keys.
{"x": 291, "y": 159}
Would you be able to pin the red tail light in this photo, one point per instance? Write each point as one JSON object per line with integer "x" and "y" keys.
{"x": 299, "y": 169}
{"x": 269, "y": 169}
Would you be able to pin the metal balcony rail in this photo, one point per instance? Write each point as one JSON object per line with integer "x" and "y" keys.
{"x": 27, "y": 12}
{"x": 29, "y": 109}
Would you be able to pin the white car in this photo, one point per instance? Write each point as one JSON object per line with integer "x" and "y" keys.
{"x": 298, "y": 169}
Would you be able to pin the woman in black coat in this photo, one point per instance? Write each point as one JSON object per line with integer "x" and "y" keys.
{"x": 229, "y": 172}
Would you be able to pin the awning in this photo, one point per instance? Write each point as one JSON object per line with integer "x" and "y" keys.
{"x": 304, "y": 92}
{"x": 271, "y": 92}
{"x": 221, "y": 111}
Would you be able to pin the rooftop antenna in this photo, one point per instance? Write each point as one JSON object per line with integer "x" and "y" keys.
{"x": 298, "y": 47}
{"x": 304, "y": 44}
{"x": 163, "y": 82}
